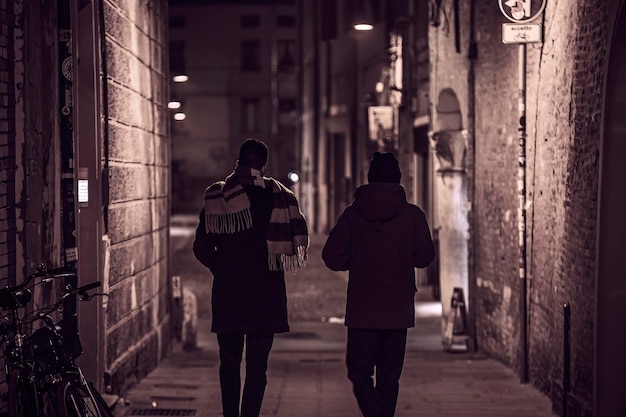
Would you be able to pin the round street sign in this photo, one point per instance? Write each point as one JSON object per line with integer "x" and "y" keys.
{"x": 521, "y": 11}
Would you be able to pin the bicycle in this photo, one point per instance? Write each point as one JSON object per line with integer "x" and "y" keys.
{"x": 42, "y": 375}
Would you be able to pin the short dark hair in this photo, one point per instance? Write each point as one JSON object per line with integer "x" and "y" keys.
{"x": 253, "y": 154}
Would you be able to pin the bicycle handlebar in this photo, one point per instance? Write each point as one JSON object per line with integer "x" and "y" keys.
{"x": 42, "y": 313}
{"x": 14, "y": 296}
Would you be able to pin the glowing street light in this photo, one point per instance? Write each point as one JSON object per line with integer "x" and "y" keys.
{"x": 293, "y": 177}
{"x": 362, "y": 27}
{"x": 362, "y": 18}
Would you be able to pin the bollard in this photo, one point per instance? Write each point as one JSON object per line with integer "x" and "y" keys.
{"x": 190, "y": 320}
{"x": 177, "y": 308}
{"x": 566, "y": 355}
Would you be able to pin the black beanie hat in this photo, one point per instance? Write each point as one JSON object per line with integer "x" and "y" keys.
{"x": 384, "y": 168}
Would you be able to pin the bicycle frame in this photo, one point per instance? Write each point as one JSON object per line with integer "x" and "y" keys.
{"x": 40, "y": 367}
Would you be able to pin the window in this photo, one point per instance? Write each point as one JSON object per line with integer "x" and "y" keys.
{"x": 329, "y": 19}
{"x": 287, "y": 115}
{"x": 177, "y": 57}
{"x": 286, "y": 52}
{"x": 251, "y": 55}
{"x": 250, "y": 115}
{"x": 177, "y": 22}
{"x": 286, "y": 21}
{"x": 250, "y": 21}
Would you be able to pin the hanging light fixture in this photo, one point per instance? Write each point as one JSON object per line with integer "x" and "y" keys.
{"x": 363, "y": 20}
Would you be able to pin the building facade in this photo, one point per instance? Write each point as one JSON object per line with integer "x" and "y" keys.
{"x": 361, "y": 92}
{"x": 240, "y": 58}
{"x": 83, "y": 105}
{"x": 523, "y": 150}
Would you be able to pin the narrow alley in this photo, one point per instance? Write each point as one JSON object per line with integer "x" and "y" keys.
{"x": 307, "y": 377}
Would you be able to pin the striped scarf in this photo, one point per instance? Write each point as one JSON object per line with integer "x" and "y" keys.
{"x": 227, "y": 211}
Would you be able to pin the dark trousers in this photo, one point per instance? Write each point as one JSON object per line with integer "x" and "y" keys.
{"x": 379, "y": 354}
{"x": 231, "y": 351}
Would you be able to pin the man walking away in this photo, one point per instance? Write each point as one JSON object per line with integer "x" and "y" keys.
{"x": 251, "y": 230}
{"x": 380, "y": 238}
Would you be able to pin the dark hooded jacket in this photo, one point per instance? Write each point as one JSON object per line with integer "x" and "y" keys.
{"x": 380, "y": 238}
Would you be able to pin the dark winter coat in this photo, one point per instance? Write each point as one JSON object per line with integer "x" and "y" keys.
{"x": 380, "y": 238}
{"x": 246, "y": 297}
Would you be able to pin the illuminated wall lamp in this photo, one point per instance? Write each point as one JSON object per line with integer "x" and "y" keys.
{"x": 180, "y": 116}
{"x": 174, "y": 104}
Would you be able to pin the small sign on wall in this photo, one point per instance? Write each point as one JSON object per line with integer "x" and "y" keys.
{"x": 380, "y": 119}
{"x": 177, "y": 288}
{"x": 522, "y": 33}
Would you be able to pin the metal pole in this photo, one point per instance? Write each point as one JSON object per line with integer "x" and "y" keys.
{"x": 521, "y": 214}
{"x": 566, "y": 356}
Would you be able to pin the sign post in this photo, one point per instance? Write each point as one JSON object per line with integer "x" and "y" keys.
{"x": 521, "y": 32}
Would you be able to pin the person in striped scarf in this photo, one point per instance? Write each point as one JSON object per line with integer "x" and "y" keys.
{"x": 250, "y": 232}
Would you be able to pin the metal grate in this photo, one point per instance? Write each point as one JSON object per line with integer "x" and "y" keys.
{"x": 171, "y": 398}
{"x": 161, "y": 412}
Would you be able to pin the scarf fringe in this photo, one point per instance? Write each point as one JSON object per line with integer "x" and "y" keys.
{"x": 288, "y": 262}
{"x": 229, "y": 222}
{"x": 227, "y": 211}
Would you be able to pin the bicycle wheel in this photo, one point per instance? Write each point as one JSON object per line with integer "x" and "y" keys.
{"x": 74, "y": 400}
{"x": 103, "y": 407}
{"x": 22, "y": 400}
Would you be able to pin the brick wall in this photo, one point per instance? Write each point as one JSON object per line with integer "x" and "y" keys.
{"x": 7, "y": 143}
{"x": 496, "y": 201}
{"x": 138, "y": 317}
{"x": 37, "y": 147}
{"x": 564, "y": 106}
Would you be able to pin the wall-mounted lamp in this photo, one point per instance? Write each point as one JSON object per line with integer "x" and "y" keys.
{"x": 174, "y": 104}
{"x": 180, "y": 116}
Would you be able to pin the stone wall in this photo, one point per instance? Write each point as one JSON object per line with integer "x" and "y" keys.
{"x": 137, "y": 151}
